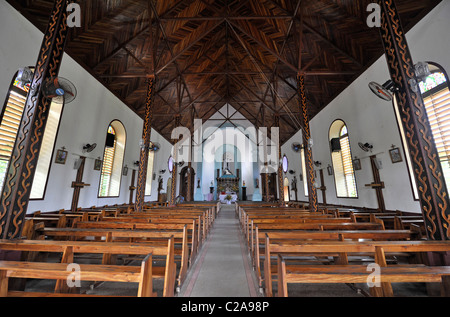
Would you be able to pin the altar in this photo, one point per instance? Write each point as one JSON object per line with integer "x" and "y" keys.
{"x": 222, "y": 197}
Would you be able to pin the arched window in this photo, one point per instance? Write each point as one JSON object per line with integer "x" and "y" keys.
{"x": 111, "y": 174}
{"x": 9, "y": 125}
{"x": 436, "y": 97}
{"x": 341, "y": 156}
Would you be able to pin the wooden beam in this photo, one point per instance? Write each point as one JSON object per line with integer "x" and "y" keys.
{"x": 218, "y": 18}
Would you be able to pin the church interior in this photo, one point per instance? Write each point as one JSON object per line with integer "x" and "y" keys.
{"x": 224, "y": 148}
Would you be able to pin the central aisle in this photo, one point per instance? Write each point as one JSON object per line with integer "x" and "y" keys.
{"x": 222, "y": 268}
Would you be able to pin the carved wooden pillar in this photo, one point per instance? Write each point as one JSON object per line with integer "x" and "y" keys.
{"x": 143, "y": 159}
{"x": 422, "y": 149}
{"x": 191, "y": 174}
{"x": 19, "y": 178}
{"x": 309, "y": 177}
{"x": 174, "y": 171}
{"x": 280, "y": 166}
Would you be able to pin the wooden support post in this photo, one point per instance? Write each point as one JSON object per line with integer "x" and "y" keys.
{"x": 306, "y": 134}
{"x": 20, "y": 174}
{"x": 433, "y": 194}
{"x": 174, "y": 171}
{"x": 143, "y": 159}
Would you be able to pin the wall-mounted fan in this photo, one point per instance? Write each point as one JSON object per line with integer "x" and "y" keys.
{"x": 296, "y": 147}
{"x": 89, "y": 147}
{"x": 383, "y": 91}
{"x": 59, "y": 90}
{"x": 366, "y": 147}
{"x": 136, "y": 163}
{"x": 317, "y": 163}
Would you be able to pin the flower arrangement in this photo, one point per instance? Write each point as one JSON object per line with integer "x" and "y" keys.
{"x": 228, "y": 197}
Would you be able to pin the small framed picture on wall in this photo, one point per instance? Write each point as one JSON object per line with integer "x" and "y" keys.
{"x": 330, "y": 170}
{"x": 356, "y": 164}
{"x": 61, "y": 157}
{"x": 395, "y": 154}
{"x": 97, "y": 164}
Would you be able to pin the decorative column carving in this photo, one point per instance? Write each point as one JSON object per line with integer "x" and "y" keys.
{"x": 433, "y": 194}
{"x": 175, "y": 165}
{"x": 280, "y": 166}
{"x": 309, "y": 177}
{"x": 19, "y": 178}
{"x": 143, "y": 159}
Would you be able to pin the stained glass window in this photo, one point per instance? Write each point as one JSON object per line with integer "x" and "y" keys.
{"x": 19, "y": 84}
{"x": 9, "y": 125}
{"x": 111, "y": 130}
{"x": 437, "y": 105}
{"x": 432, "y": 81}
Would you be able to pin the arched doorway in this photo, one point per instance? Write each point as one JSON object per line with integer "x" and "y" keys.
{"x": 184, "y": 179}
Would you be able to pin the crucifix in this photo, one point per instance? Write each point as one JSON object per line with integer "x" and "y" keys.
{"x": 78, "y": 184}
{"x": 377, "y": 184}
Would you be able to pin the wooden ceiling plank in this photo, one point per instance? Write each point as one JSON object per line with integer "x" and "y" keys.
{"x": 174, "y": 58}
{"x": 328, "y": 42}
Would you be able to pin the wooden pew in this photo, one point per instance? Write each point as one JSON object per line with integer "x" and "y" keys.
{"x": 192, "y": 226}
{"x": 257, "y": 252}
{"x": 58, "y": 271}
{"x": 69, "y": 248}
{"x": 311, "y": 274}
{"x": 198, "y": 233}
{"x": 145, "y": 237}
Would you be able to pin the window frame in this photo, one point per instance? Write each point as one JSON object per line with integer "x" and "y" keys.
{"x": 347, "y": 135}
{"x": 410, "y": 165}
{"x": 50, "y": 163}
{"x": 122, "y": 165}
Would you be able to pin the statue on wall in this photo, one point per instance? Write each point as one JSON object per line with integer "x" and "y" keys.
{"x": 294, "y": 184}
{"x": 160, "y": 183}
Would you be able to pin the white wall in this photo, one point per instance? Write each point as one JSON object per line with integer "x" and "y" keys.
{"x": 85, "y": 120}
{"x": 232, "y": 134}
{"x": 369, "y": 119}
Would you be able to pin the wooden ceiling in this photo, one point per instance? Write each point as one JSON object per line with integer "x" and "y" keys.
{"x": 206, "y": 53}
